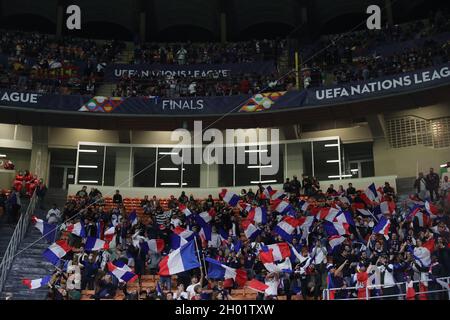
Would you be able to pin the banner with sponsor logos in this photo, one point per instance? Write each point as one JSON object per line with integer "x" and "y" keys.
{"x": 345, "y": 93}
{"x": 115, "y": 72}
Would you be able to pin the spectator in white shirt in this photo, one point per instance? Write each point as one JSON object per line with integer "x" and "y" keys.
{"x": 54, "y": 215}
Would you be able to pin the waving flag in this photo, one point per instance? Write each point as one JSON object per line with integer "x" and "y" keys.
{"x": 206, "y": 216}
{"x": 422, "y": 217}
{"x": 223, "y": 234}
{"x": 122, "y": 273}
{"x": 274, "y": 252}
{"x": 250, "y": 231}
{"x": 258, "y": 215}
{"x": 305, "y": 225}
{"x": 335, "y": 241}
{"x": 282, "y": 206}
{"x": 180, "y": 260}
{"x": 274, "y": 194}
{"x": 36, "y": 283}
{"x": 109, "y": 234}
{"x": 336, "y": 228}
{"x": 423, "y": 254}
{"x": 229, "y": 197}
{"x": 327, "y": 214}
{"x": 383, "y": 227}
{"x": 371, "y": 192}
{"x": 152, "y": 245}
{"x": 133, "y": 218}
{"x": 94, "y": 244}
{"x": 77, "y": 229}
{"x": 180, "y": 236}
{"x": 431, "y": 209}
{"x": 184, "y": 210}
{"x": 286, "y": 228}
{"x": 56, "y": 251}
{"x": 216, "y": 270}
{"x": 285, "y": 266}
{"x": 245, "y": 207}
{"x": 303, "y": 205}
{"x": 48, "y": 230}
{"x": 257, "y": 285}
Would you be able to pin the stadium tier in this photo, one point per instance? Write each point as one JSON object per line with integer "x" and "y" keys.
{"x": 225, "y": 150}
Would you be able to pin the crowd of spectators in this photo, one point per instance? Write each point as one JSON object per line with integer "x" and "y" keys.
{"x": 369, "y": 54}
{"x": 363, "y": 258}
{"x": 46, "y": 64}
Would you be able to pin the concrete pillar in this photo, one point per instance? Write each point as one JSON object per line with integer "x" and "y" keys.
{"x": 223, "y": 27}
{"x": 39, "y": 163}
{"x": 59, "y": 19}
{"x": 390, "y": 17}
{"x": 142, "y": 26}
{"x": 122, "y": 172}
{"x": 294, "y": 160}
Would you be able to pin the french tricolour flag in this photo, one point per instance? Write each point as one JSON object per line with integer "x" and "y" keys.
{"x": 180, "y": 260}
{"x": 257, "y": 285}
{"x": 133, "y": 218}
{"x": 245, "y": 207}
{"x": 180, "y": 236}
{"x": 48, "y": 230}
{"x": 327, "y": 214}
{"x": 422, "y": 217}
{"x": 123, "y": 273}
{"x": 250, "y": 231}
{"x": 94, "y": 244}
{"x": 383, "y": 227}
{"x": 36, "y": 283}
{"x": 258, "y": 215}
{"x": 371, "y": 192}
{"x": 274, "y": 194}
{"x": 335, "y": 241}
{"x": 206, "y": 216}
{"x": 274, "y": 252}
{"x": 282, "y": 206}
{"x": 431, "y": 209}
{"x": 77, "y": 229}
{"x": 184, "y": 210}
{"x": 152, "y": 245}
{"x": 284, "y": 266}
{"x": 56, "y": 251}
{"x": 230, "y": 197}
{"x": 286, "y": 227}
{"x": 303, "y": 205}
{"x": 217, "y": 271}
{"x": 109, "y": 234}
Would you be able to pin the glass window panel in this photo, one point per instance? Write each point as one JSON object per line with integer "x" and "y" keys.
{"x": 169, "y": 174}
{"x": 191, "y": 171}
{"x": 117, "y": 166}
{"x": 249, "y": 171}
{"x": 90, "y": 164}
{"x": 299, "y": 159}
{"x": 144, "y": 164}
{"x": 326, "y": 159}
{"x": 277, "y": 177}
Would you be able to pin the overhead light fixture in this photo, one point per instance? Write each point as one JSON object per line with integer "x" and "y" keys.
{"x": 332, "y": 161}
{"x": 263, "y": 181}
{"x": 87, "y": 181}
{"x": 169, "y": 169}
{"x": 341, "y": 176}
{"x": 259, "y": 167}
{"x": 87, "y": 166}
{"x": 172, "y": 183}
{"x": 256, "y": 151}
{"x": 331, "y": 145}
{"x": 164, "y": 153}
{"x": 354, "y": 170}
{"x": 87, "y": 150}
{"x": 442, "y": 165}
{"x": 2, "y": 155}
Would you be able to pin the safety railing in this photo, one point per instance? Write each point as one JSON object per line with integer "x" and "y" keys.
{"x": 446, "y": 280}
{"x": 16, "y": 239}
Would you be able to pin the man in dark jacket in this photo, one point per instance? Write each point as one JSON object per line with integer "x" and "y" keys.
{"x": 433, "y": 184}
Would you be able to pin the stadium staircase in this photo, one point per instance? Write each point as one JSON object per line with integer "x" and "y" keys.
{"x": 28, "y": 264}
{"x": 55, "y": 196}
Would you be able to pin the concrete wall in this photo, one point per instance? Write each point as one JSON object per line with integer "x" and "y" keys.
{"x": 360, "y": 133}
{"x": 204, "y": 192}
{"x": 69, "y": 137}
{"x": 406, "y": 162}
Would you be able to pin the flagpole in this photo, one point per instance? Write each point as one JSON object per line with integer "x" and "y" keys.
{"x": 198, "y": 256}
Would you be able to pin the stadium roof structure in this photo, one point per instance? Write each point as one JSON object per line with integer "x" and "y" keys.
{"x": 196, "y": 20}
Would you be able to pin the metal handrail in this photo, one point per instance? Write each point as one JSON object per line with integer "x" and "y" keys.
{"x": 326, "y": 292}
{"x": 16, "y": 239}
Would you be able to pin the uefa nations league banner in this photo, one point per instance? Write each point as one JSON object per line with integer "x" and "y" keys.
{"x": 114, "y": 72}
{"x": 406, "y": 82}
